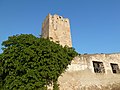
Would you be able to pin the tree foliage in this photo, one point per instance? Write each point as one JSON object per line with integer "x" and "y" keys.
{"x": 32, "y": 63}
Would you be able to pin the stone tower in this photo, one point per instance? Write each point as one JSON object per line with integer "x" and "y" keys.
{"x": 57, "y": 29}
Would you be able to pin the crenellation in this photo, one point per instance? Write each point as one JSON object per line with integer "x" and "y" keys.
{"x": 60, "y": 20}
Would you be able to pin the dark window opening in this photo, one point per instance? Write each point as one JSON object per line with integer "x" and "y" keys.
{"x": 60, "y": 17}
{"x": 98, "y": 67}
{"x": 115, "y": 68}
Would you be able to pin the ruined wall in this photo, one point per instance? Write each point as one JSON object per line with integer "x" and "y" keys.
{"x": 86, "y": 72}
{"x": 57, "y": 29}
{"x": 45, "y": 28}
{"x": 81, "y": 74}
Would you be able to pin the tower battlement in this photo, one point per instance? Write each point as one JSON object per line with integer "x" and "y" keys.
{"x": 60, "y": 19}
{"x": 57, "y": 29}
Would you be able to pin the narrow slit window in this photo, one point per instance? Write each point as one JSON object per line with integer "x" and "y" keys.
{"x": 115, "y": 68}
{"x": 98, "y": 67}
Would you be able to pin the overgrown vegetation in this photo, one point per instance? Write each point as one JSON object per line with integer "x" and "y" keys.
{"x": 31, "y": 63}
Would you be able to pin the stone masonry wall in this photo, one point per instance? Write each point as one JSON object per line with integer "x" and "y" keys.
{"x": 57, "y": 29}
{"x": 81, "y": 76}
{"x": 86, "y": 72}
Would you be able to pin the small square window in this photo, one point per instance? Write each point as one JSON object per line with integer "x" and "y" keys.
{"x": 115, "y": 68}
{"x": 98, "y": 67}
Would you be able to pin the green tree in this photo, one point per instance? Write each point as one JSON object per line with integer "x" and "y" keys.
{"x": 32, "y": 63}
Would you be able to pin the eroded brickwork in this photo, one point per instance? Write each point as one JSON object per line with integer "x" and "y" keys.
{"x": 81, "y": 75}
{"x": 57, "y": 29}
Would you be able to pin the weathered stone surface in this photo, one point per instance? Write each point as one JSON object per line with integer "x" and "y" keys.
{"x": 57, "y": 29}
{"x": 88, "y": 71}
{"x": 81, "y": 76}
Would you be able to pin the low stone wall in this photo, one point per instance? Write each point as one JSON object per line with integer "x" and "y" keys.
{"x": 85, "y": 80}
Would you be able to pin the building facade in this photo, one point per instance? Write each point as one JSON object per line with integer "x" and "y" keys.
{"x": 87, "y": 71}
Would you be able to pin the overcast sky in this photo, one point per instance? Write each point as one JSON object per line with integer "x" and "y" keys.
{"x": 95, "y": 24}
